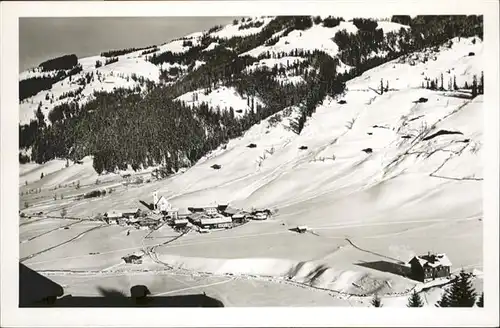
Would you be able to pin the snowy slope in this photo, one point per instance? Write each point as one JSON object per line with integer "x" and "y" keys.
{"x": 375, "y": 179}
{"x": 318, "y": 37}
{"x": 233, "y": 30}
{"x": 223, "y": 98}
{"x": 115, "y": 75}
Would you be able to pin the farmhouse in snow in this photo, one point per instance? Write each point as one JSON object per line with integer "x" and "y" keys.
{"x": 429, "y": 267}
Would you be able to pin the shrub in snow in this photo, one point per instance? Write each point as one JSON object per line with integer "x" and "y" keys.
{"x": 421, "y": 100}
{"x": 303, "y": 147}
{"x": 376, "y": 302}
{"x": 365, "y": 24}
{"x": 471, "y": 54}
{"x": 216, "y": 166}
{"x": 415, "y": 300}
{"x": 95, "y": 193}
{"x": 252, "y": 145}
{"x": 368, "y": 150}
{"x": 342, "y": 102}
{"x": 332, "y": 21}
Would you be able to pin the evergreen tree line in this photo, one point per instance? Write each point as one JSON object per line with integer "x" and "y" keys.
{"x": 110, "y": 60}
{"x": 252, "y": 24}
{"x": 60, "y": 63}
{"x": 460, "y": 293}
{"x": 32, "y": 86}
{"x": 476, "y": 87}
{"x": 114, "y": 53}
{"x": 426, "y": 31}
{"x": 126, "y": 127}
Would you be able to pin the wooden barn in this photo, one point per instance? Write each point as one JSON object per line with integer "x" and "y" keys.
{"x": 240, "y": 217}
{"x": 429, "y": 267}
{"x": 134, "y": 259}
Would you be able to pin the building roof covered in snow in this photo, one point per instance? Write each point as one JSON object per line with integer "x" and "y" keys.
{"x": 433, "y": 260}
{"x": 240, "y": 215}
{"x": 198, "y": 216}
{"x": 184, "y": 211}
{"x": 114, "y": 214}
{"x": 216, "y": 220}
{"x": 126, "y": 211}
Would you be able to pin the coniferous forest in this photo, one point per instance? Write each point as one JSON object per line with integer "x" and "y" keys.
{"x": 149, "y": 127}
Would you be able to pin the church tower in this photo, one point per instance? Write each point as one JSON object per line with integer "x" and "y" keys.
{"x": 155, "y": 199}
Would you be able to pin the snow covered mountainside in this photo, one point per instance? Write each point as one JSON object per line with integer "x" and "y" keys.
{"x": 377, "y": 174}
{"x": 133, "y": 69}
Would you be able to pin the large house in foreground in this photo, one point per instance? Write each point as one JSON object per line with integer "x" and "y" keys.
{"x": 429, "y": 267}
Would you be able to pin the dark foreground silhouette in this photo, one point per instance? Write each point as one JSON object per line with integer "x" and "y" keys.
{"x": 36, "y": 290}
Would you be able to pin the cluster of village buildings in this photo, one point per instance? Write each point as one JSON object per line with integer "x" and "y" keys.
{"x": 202, "y": 218}
{"x": 222, "y": 216}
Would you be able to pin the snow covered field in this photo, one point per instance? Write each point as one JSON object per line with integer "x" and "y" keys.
{"x": 377, "y": 184}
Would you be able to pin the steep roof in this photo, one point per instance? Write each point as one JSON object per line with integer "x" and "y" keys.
{"x": 33, "y": 287}
{"x": 159, "y": 199}
{"x": 433, "y": 260}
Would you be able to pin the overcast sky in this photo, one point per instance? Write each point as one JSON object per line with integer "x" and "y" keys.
{"x": 44, "y": 38}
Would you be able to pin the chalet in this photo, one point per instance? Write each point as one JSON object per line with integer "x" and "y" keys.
{"x": 216, "y": 223}
{"x": 301, "y": 229}
{"x": 113, "y": 214}
{"x": 260, "y": 216}
{"x": 240, "y": 217}
{"x": 148, "y": 222}
{"x": 180, "y": 223}
{"x": 196, "y": 217}
{"x": 429, "y": 267}
{"x": 129, "y": 212}
{"x": 211, "y": 210}
{"x": 134, "y": 259}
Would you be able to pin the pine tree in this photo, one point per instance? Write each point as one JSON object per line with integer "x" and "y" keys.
{"x": 480, "y": 301}
{"x": 474, "y": 87}
{"x": 442, "y": 82}
{"x": 455, "y": 86}
{"x": 481, "y": 84}
{"x": 460, "y": 294}
{"x": 415, "y": 300}
{"x": 381, "y": 86}
{"x": 376, "y": 302}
